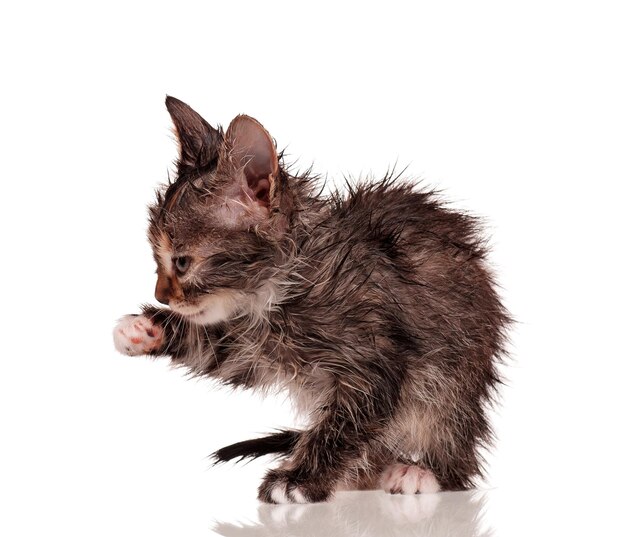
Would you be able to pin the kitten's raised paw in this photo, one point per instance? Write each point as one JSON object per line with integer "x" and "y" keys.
{"x": 280, "y": 486}
{"x": 137, "y": 334}
{"x": 408, "y": 479}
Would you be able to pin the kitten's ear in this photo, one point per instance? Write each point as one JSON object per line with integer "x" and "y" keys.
{"x": 251, "y": 151}
{"x": 198, "y": 141}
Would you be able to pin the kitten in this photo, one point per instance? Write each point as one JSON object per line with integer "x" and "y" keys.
{"x": 375, "y": 310}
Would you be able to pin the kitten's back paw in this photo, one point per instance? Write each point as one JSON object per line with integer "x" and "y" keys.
{"x": 137, "y": 334}
{"x": 408, "y": 479}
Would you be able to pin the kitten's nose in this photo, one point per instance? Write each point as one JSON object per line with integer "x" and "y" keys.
{"x": 162, "y": 291}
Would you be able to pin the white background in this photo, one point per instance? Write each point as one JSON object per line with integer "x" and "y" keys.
{"x": 516, "y": 110}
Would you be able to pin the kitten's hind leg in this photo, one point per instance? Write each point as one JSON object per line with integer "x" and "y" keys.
{"x": 408, "y": 479}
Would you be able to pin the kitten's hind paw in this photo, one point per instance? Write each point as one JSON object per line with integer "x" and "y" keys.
{"x": 280, "y": 486}
{"x": 137, "y": 334}
{"x": 408, "y": 479}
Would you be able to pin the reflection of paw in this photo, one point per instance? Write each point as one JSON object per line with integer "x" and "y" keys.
{"x": 408, "y": 479}
{"x": 137, "y": 334}
{"x": 286, "y": 514}
{"x": 410, "y": 509}
{"x": 280, "y": 486}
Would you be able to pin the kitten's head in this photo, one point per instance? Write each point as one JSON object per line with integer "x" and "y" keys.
{"x": 215, "y": 230}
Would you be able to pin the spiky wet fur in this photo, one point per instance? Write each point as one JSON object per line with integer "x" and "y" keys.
{"x": 373, "y": 307}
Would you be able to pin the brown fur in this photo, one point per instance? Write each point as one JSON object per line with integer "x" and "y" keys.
{"x": 375, "y": 309}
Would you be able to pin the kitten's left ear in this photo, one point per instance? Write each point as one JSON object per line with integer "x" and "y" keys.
{"x": 251, "y": 151}
{"x": 198, "y": 141}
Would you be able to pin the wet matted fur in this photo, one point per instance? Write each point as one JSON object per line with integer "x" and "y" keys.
{"x": 374, "y": 307}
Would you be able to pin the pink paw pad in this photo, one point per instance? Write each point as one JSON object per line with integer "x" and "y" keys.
{"x": 137, "y": 334}
{"x": 408, "y": 479}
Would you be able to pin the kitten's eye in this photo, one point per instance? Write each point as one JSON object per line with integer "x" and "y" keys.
{"x": 182, "y": 264}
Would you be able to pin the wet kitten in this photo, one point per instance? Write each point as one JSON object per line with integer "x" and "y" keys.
{"x": 374, "y": 309}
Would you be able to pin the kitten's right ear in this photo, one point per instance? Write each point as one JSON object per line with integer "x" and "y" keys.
{"x": 198, "y": 141}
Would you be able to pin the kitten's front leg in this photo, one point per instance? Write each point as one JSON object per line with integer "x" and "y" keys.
{"x": 344, "y": 427}
{"x": 314, "y": 468}
{"x": 156, "y": 331}
{"x": 135, "y": 335}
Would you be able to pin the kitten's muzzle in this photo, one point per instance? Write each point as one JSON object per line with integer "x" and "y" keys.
{"x": 167, "y": 287}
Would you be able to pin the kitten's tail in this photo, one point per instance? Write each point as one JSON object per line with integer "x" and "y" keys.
{"x": 281, "y": 442}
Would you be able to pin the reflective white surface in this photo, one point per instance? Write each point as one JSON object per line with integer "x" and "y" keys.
{"x": 371, "y": 513}
{"x": 553, "y": 511}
